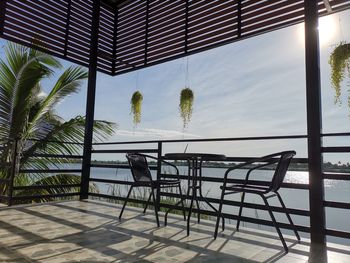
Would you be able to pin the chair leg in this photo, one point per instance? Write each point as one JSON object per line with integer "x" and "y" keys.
{"x": 240, "y": 211}
{"x": 149, "y": 199}
{"x": 288, "y": 216}
{"x": 275, "y": 223}
{"x": 170, "y": 209}
{"x": 219, "y": 214}
{"x": 189, "y": 214}
{"x": 155, "y": 204}
{"x": 126, "y": 200}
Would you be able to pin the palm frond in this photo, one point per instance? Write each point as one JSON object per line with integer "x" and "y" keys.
{"x": 68, "y": 83}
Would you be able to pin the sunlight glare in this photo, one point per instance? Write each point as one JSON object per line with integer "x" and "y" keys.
{"x": 327, "y": 27}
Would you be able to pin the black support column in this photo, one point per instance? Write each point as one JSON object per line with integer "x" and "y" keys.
{"x": 314, "y": 122}
{"x": 2, "y": 16}
{"x": 90, "y": 102}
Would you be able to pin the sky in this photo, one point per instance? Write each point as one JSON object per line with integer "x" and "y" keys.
{"x": 254, "y": 87}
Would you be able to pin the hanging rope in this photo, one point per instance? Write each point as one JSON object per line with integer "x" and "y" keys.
{"x": 186, "y": 74}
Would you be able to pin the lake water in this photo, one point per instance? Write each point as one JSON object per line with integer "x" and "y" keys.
{"x": 335, "y": 190}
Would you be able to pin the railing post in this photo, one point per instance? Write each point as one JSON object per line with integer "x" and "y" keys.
{"x": 13, "y": 171}
{"x": 90, "y": 102}
{"x": 314, "y": 123}
{"x": 159, "y": 171}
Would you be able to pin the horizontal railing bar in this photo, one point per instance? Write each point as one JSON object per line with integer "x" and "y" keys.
{"x": 16, "y": 188}
{"x": 338, "y": 149}
{"x": 110, "y": 181}
{"x": 4, "y": 197}
{"x": 5, "y": 181}
{"x": 53, "y": 141}
{"x": 337, "y": 176}
{"x": 282, "y": 137}
{"x": 336, "y": 134}
{"x": 50, "y": 171}
{"x": 237, "y": 203}
{"x": 117, "y": 166}
{"x": 152, "y": 167}
{"x": 206, "y": 179}
{"x": 119, "y": 198}
{"x": 243, "y": 218}
{"x": 239, "y": 181}
{"x": 333, "y": 204}
{"x": 32, "y": 197}
{"x": 111, "y": 166}
{"x": 206, "y": 212}
{"x": 126, "y": 151}
{"x": 56, "y": 156}
{"x": 247, "y": 159}
{"x": 337, "y": 233}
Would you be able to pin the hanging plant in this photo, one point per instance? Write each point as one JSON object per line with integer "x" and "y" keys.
{"x": 340, "y": 66}
{"x": 186, "y": 105}
{"x": 136, "y": 104}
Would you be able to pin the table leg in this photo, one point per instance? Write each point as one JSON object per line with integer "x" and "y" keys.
{"x": 217, "y": 212}
{"x": 205, "y": 200}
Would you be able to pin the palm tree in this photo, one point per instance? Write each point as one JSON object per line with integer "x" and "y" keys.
{"x": 28, "y": 117}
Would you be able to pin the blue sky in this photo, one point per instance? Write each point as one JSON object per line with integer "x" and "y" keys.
{"x": 254, "y": 87}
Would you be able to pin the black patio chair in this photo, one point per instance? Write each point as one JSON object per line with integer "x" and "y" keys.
{"x": 282, "y": 161}
{"x": 143, "y": 178}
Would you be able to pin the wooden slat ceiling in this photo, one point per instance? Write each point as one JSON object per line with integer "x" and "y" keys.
{"x": 140, "y": 33}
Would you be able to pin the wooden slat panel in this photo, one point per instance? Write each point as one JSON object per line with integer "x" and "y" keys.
{"x": 208, "y": 24}
{"x": 32, "y": 18}
{"x": 27, "y": 37}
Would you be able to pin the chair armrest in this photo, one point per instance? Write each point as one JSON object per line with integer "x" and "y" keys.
{"x": 268, "y": 160}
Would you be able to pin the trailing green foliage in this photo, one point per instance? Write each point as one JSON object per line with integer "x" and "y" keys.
{"x": 136, "y": 105}
{"x": 186, "y": 105}
{"x": 340, "y": 66}
{"x": 28, "y": 115}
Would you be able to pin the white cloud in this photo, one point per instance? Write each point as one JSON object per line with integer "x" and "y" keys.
{"x": 158, "y": 133}
{"x": 42, "y": 94}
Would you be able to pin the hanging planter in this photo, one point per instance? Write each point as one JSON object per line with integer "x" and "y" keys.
{"x": 136, "y": 104}
{"x": 186, "y": 105}
{"x": 340, "y": 66}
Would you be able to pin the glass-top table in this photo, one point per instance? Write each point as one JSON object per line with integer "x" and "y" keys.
{"x": 194, "y": 190}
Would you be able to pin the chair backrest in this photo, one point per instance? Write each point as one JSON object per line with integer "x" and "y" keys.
{"x": 139, "y": 167}
{"x": 281, "y": 170}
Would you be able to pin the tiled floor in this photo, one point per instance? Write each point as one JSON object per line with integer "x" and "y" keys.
{"x": 90, "y": 232}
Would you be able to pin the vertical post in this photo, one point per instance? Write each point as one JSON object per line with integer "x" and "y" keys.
{"x": 90, "y": 102}
{"x": 115, "y": 41}
{"x": 159, "y": 171}
{"x": 66, "y": 37}
{"x": 2, "y": 16}
{"x": 13, "y": 171}
{"x": 314, "y": 123}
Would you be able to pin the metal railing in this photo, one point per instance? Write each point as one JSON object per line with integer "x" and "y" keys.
{"x": 156, "y": 147}
{"x": 11, "y": 156}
